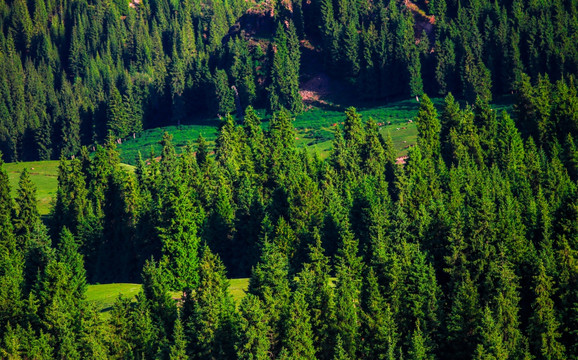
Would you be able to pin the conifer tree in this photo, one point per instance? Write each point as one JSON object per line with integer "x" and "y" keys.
{"x": 347, "y": 292}
{"x": 463, "y": 320}
{"x": 11, "y": 261}
{"x": 418, "y": 349}
{"x": 270, "y": 284}
{"x": 26, "y": 215}
{"x": 491, "y": 346}
{"x": 284, "y": 88}
{"x": 254, "y": 329}
{"x": 428, "y": 127}
{"x": 318, "y": 293}
{"x": 339, "y": 352}
{"x": 297, "y": 337}
{"x": 208, "y": 311}
{"x": 157, "y": 309}
{"x": 179, "y": 235}
{"x": 544, "y": 326}
{"x": 377, "y": 327}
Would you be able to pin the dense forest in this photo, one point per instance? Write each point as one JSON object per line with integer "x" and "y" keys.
{"x": 73, "y": 72}
{"x": 468, "y": 251}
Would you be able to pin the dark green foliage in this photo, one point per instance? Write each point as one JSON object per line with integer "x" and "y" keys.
{"x": 543, "y": 328}
{"x": 209, "y": 312}
{"x": 428, "y": 127}
{"x": 284, "y": 58}
{"x": 11, "y": 262}
{"x": 297, "y": 338}
{"x": 466, "y": 250}
{"x": 26, "y": 216}
{"x": 254, "y": 330}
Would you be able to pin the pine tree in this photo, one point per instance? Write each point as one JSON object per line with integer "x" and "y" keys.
{"x": 347, "y": 292}
{"x": 491, "y": 346}
{"x": 314, "y": 284}
{"x": 254, "y": 329}
{"x": 351, "y": 50}
{"x": 297, "y": 337}
{"x": 464, "y": 319}
{"x": 26, "y": 215}
{"x": 11, "y": 262}
{"x": 269, "y": 282}
{"x": 377, "y": 327}
{"x": 155, "y": 305}
{"x": 340, "y": 353}
{"x": 208, "y": 311}
{"x": 284, "y": 87}
{"x": 68, "y": 253}
{"x": 544, "y": 326}
{"x": 179, "y": 235}
{"x": 418, "y": 349}
{"x": 178, "y": 350}
{"x": 428, "y": 127}
{"x": 224, "y": 96}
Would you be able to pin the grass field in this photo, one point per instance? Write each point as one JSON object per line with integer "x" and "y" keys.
{"x": 44, "y": 174}
{"x": 314, "y": 129}
{"x": 103, "y": 296}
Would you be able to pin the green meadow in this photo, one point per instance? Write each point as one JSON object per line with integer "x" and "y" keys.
{"x": 103, "y": 296}
{"x": 44, "y": 174}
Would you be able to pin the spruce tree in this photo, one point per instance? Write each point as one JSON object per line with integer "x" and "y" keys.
{"x": 253, "y": 341}
{"x": 297, "y": 337}
{"x": 26, "y": 214}
{"x": 544, "y": 326}
{"x": 314, "y": 284}
{"x": 428, "y": 127}
{"x": 269, "y": 282}
{"x": 11, "y": 262}
{"x": 179, "y": 236}
{"x": 347, "y": 292}
{"x": 178, "y": 350}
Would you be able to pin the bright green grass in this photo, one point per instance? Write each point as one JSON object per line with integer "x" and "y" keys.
{"x": 238, "y": 287}
{"x": 314, "y": 129}
{"x": 44, "y": 174}
{"x": 149, "y": 139}
{"x": 103, "y": 297}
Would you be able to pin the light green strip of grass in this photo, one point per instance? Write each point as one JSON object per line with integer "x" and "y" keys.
{"x": 103, "y": 296}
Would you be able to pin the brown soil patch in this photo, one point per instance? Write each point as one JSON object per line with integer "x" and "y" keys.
{"x": 313, "y": 90}
{"x": 401, "y": 160}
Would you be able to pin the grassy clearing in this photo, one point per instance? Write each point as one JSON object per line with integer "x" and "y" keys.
{"x": 238, "y": 287}
{"x": 44, "y": 174}
{"x": 102, "y": 297}
{"x": 314, "y": 129}
{"x": 149, "y": 140}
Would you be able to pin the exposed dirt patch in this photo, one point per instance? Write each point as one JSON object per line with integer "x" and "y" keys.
{"x": 401, "y": 160}
{"x": 315, "y": 89}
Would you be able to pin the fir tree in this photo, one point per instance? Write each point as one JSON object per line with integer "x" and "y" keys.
{"x": 428, "y": 127}
{"x": 254, "y": 330}
{"x": 297, "y": 338}
{"x": 26, "y": 215}
{"x": 544, "y": 326}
